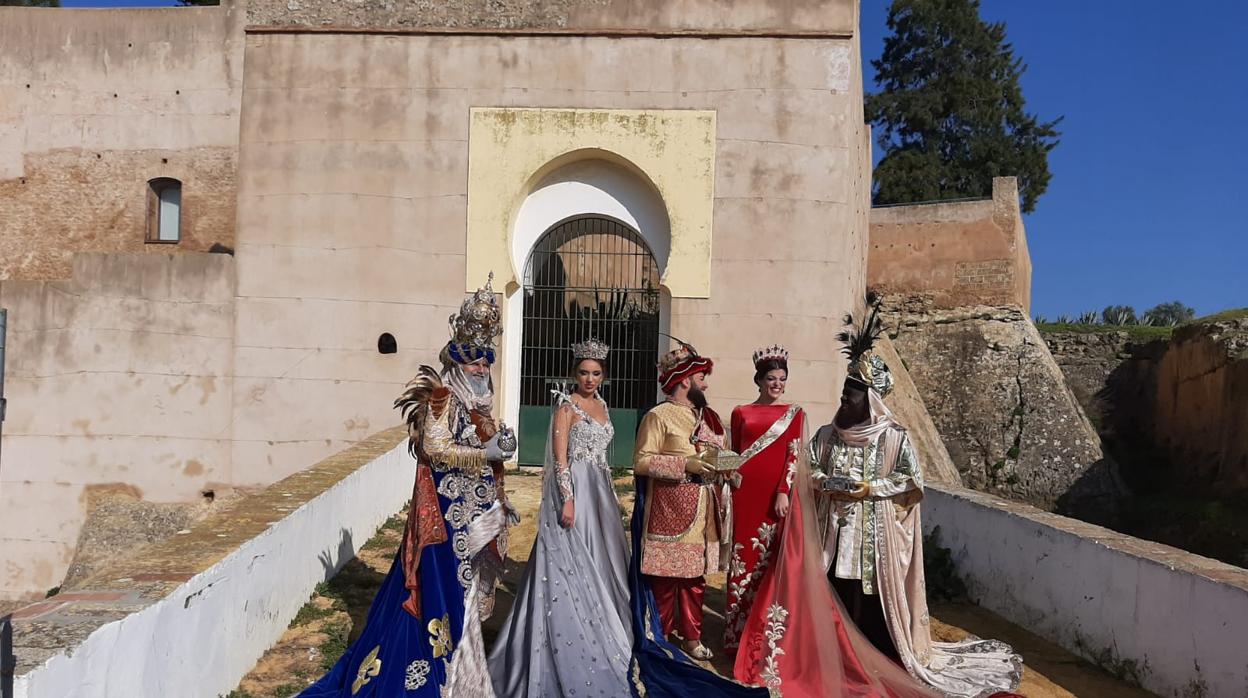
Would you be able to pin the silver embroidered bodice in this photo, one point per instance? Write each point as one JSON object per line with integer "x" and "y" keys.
{"x": 588, "y": 440}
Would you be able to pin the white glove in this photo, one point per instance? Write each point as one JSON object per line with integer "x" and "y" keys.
{"x": 494, "y": 452}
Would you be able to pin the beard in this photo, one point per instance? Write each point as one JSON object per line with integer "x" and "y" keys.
{"x": 480, "y": 384}
{"x": 851, "y": 415}
{"x": 474, "y": 392}
{"x": 697, "y": 397}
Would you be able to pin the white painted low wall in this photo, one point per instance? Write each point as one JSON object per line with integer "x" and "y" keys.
{"x": 1177, "y": 620}
{"x": 205, "y": 636}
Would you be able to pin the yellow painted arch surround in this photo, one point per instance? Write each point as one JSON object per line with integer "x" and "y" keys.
{"x": 510, "y": 152}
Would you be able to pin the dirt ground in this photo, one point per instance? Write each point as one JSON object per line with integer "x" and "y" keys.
{"x": 335, "y": 614}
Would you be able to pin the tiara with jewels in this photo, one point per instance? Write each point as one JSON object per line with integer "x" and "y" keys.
{"x": 590, "y": 349}
{"x": 478, "y": 322}
{"x": 774, "y": 351}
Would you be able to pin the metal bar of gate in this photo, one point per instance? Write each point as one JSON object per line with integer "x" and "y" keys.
{"x": 4, "y": 325}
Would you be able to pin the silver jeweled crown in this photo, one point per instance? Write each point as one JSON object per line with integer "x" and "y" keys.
{"x": 590, "y": 349}
{"x": 774, "y": 351}
{"x": 479, "y": 320}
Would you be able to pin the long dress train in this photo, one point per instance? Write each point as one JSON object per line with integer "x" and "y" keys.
{"x": 659, "y": 668}
{"x": 797, "y": 640}
{"x": 568, "y": 633}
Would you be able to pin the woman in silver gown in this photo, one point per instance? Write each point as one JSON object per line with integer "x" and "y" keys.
{"x": 569, "y": 631}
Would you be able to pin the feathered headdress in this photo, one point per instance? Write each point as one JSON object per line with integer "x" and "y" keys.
{"x": 859, "y": 338}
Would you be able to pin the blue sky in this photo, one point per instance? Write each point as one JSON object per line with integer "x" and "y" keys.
{"x": 1143, "y": 204}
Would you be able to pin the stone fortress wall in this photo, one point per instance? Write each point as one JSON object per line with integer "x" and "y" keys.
{"x": 119, "y": 351}
{"x": 332, "y": 173}
{"x": 336, "y": 168}
{"x": 957, "y": 279}
{"x": 96, "y": 103}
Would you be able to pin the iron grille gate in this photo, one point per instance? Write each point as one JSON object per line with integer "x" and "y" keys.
{"x": 589, "y": 276}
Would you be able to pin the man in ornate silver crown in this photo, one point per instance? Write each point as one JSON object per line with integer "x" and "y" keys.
{"x": 423, "y": 635}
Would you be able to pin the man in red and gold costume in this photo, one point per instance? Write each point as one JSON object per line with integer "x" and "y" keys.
{"x": 684, "y": 517}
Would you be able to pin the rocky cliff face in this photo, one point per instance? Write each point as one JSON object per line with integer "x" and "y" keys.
{"x": 1010, "y": 424}
{"x": 1182, "y": 401}
{"x": 1087, "y": 359}
{"x": 907, "y": 404}
{"x": 1108, "y": 372}
{"x": 1201, "y": 411}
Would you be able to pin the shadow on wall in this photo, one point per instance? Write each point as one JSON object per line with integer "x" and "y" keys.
{"x": 333, "y": 560}
{"x": 1096, "y": 496}
{"x": 1176, "y": 498}
{"x": 350, "y": 580}
{"x": 1121, "y": 412}
{"x": 1129, "y": 397}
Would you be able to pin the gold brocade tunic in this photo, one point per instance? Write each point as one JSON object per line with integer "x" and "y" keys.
{"x": 682, "y": 533}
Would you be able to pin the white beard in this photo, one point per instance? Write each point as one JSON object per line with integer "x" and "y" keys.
{"x": 476, "y": 393}
{"x": 480, "y": 385}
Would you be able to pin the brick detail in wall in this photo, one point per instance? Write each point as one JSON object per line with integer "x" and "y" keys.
{"x": 992, "y": 273}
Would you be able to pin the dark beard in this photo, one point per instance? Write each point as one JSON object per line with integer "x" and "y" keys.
{"x": 697, "y": 397}
{"x": 848, "y": 417}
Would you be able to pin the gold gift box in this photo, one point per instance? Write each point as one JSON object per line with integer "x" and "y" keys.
{"x": 722, "y": 459}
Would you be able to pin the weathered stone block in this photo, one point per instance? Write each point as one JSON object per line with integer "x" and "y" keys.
{"x": 1001, "y": 404}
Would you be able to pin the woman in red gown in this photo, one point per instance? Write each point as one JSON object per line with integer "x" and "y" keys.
{"x": 769, "y": 433}
{"x": 783, "y": 619}
{"x": 797, "y": 640}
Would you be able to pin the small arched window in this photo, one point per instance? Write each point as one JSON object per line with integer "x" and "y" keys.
{"x": 164, "y": 210}
{"x": 386, "y": 343}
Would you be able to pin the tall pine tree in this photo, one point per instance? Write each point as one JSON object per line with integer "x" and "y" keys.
{"x": 950, "y": 114}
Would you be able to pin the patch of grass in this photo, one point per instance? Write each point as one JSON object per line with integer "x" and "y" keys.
{"x": 617, "y": 473}
{"x": 397, "y": 522}
{"x": 52, "y": 592}
{"x": 238, "y": 694}
{"x": 1233, "y": 314}
{"x": 286, "y": 690}
{"x": 335, "y": 644}
{"x": 311, "y": 612}
{"x": 323, "y": 589}
{"x": 391, "y": 529}
{"x": 943, "y": 581}
{"x": 1137, "y": 332}
{"x": 623, "y": 488}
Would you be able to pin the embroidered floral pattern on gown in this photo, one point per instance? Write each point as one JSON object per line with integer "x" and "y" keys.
{"x": 569, "y": 632}
{"x": 755, "y": 526}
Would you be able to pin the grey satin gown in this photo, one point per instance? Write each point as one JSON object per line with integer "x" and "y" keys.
{"x": 569, "y": 631}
